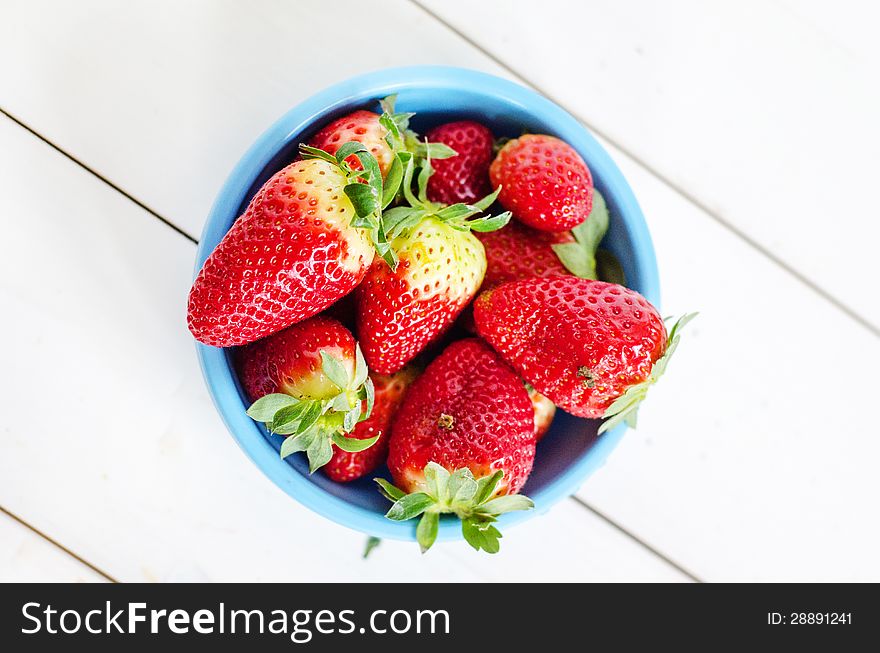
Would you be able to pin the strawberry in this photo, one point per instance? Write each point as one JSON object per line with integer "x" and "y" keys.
{"x": 389, "y": 392}
{"x": 463, "y": 442}
{"x": 593, "y": 348}
{"x": 520, "y": 252}
{"x": 546, "y": 183}
{"x": 545, "y": 411}
{"x": 465, "y": 176}
{"x": 363, "y": 127}
{"x": 306, "y": 239}
{"x": 441, "y": 265}
{"x": 310, "y": 383}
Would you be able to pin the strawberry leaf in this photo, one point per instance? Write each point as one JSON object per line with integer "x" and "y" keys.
{"x": 361, "y": 371}
{"x": 579, "y": 257}
{"x": 392, "y": 182}
{"x": 461, "y": 487}
{"x": 372, "y": 543}
{"x": 320, "y": 452}
{"x": 481, "y": 535}
{"x": 364, "y": 200}
{"x": 458, "y": 493}
{"x": 288, "y": 415}
{"x": 422, "y": 182}
{"x": 625, "y": 408}
{"x": 438, "y": 151}
{"x": 436, "y": 479}
{"x": 296, "y": 443}
{"x": 507, "y": 503}
{"x": 370, "y": 396}
{"x": 351, "y": 418}
{"x": 311, "y": 416}
{"x": 347, "y": 149}
{"x": 335, "y": 370}
{"x": 388, "y": 490}
{"x": 409, "y": 506}
{"x": 426, "y": 531}
{"x": 309, "y": 152}
{"x": 264, "y": 408}
{"x": 486, "y": 487}
{"x": 488, "y": 201}
{"x": 353, "y": 445}
{"x": 489, "y": 222}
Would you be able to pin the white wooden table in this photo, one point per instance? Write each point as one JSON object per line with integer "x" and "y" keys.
{"x": 748, "y": 131}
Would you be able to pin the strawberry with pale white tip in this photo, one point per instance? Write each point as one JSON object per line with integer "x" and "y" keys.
{"x": 309, "y": 382}
{"x": 441, "y": 265}
{"x": 306, "y": 239}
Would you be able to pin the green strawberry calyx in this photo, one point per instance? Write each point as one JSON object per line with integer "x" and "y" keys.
{"x": 368, "y": 192}
{"x": 583, "y": 258}
{"x": 462, "y": 217}
{"x": 315, "y": 425}
{"x": 471, "y": 499}
{"x": 625, "y": 408}
{"x": 401, "y": 138}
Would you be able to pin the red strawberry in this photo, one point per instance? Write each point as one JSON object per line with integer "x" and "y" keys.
{"x": 520, "y": 252}
{"x": 309, "y": 382}
{"x": 544, "y": 182}
{"x": 545, "y": 411}
{"x": 593, "y": 348}
{"x": 462, "y": 439}
{"x": 464, "y": 177}
{"x": 441, "y": 266}
{"x": 401, "y": 311}
{"x": 363, "y": 127}
{"x": 290, "y": 255}
{"x": 347, "y": 466}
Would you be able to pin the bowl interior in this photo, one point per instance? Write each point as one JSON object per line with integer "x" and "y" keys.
{"x": 571, "y": 450}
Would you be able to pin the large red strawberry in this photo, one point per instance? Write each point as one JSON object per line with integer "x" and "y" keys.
{"x": 545, "y": 182}
{"x": 363, "y": 127}
{"x": 300, "y": 246}
{"x": 441, "y": 266}
{"x": 310, "y": 383}
{"x": 465, "y": 176}
{"x": 463, "y": 442}
{"x": 593, "y": 348}
{"x": 389, "y": 391}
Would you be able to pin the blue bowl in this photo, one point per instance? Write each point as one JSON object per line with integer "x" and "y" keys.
{"x": 571, "y": 451}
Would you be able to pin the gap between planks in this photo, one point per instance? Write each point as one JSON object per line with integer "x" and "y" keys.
{"x": 664, "y": 179}
{"x": 580, "y": 502}
{"x": 58, "y": 545}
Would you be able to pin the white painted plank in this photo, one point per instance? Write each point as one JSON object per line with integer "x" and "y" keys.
{"x": 765, "y": 112}
{"x": 754, "y": 458}
{"x": 164, "y": 97}
{"x": 25, "y": 557}
{"x": 134, "y": 470}
{"x": 692, "y": 492}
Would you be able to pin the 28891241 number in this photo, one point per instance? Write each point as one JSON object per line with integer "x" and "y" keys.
{"x": 809, "y": 618}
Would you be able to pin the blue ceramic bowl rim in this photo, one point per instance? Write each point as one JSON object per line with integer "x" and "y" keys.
{"x": 358, "y": 91}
